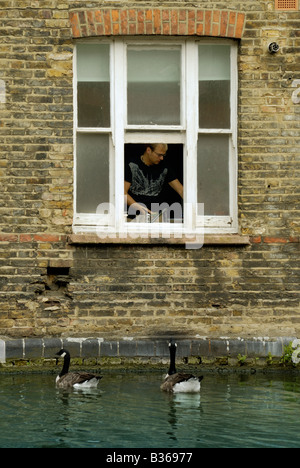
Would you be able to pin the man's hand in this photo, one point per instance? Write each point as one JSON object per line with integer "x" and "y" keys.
{"x": 135, "y": 207}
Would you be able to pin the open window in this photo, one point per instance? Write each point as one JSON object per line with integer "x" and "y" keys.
{"x": 165, "y": 204}
{"x": 131, "y": 93}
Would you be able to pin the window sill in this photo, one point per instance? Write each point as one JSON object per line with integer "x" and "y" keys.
{"x": 209, "y": 239}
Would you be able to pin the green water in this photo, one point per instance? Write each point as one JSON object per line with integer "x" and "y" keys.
{"x": 130, "y": 411}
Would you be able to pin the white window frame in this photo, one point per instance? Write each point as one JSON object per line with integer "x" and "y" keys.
{"x": 186, "y": 134}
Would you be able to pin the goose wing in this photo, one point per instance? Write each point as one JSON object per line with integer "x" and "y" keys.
{"x": 85, "y": 377}
{"x": 174, "y": 379}
{"x": 181, "y": 377}
{"x": 73, "y": 378}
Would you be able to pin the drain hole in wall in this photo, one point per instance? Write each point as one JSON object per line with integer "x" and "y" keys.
{"x": 57, "y": 277}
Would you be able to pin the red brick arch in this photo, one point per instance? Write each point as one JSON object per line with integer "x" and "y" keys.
{"x": 157, "y": 21}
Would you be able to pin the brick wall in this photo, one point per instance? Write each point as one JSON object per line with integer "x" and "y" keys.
{"x": 49, "y": 286}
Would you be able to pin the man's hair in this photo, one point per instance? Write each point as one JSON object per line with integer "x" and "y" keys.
{"x": 154, "y": 145}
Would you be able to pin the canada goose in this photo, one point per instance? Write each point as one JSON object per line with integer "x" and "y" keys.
{"x": 179, "y": 382}
{"x": 74, "y": 379}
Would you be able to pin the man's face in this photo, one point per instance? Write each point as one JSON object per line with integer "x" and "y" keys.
{"x": 157, "y": 155}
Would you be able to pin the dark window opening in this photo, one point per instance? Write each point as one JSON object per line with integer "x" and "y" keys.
{"x": 173, "y": 162}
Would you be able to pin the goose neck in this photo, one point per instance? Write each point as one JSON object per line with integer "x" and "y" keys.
{"x": 66, "y": 365}
{"x": 172, "y": 369}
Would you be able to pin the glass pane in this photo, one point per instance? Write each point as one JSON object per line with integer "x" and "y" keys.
{"x": 214, "y": 86}
{"x": 153, "y": 92}
{"x": 92, "y": 172}
{"x": 213, "y": 174}
{"x": 93, "y": 88}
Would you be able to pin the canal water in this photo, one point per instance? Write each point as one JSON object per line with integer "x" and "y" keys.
{"x": 128, "y": 410}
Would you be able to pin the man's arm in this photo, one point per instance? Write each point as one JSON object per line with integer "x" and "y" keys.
{"x": 177, "y": 186}
{"x": 131, "y": 202}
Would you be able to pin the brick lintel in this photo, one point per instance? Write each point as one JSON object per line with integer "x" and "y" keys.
{"x": 157, "y": 21}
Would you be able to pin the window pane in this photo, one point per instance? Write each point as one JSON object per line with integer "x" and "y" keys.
{"x": 213, "y": 174}
{"x": 93, "y": 85}
{"x": 214, "y": 86}
{"x": 92, "y": 172}
{"x": 154, "y": 86}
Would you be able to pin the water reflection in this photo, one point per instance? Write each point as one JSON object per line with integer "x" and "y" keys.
{"x": 181, "y": 403}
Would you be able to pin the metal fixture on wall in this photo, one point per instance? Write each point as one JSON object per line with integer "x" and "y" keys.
{"x": 273, "y": 48}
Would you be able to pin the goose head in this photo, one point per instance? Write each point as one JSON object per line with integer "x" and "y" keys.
{"x": 172, "y": 345}
{"x": 62, "y": 353}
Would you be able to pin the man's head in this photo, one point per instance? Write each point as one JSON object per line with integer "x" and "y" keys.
{"x": 155, "y": 153}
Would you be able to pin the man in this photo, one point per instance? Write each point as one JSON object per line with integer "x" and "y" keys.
{"x": 145, "y": 178}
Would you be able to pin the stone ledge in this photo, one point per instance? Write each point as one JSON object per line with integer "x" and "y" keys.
{"x": 209, "y": 239}
{"x": 45, "y": 348}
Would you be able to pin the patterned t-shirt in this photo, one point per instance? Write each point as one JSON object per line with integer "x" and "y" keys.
{"x": 147, "y": 182}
